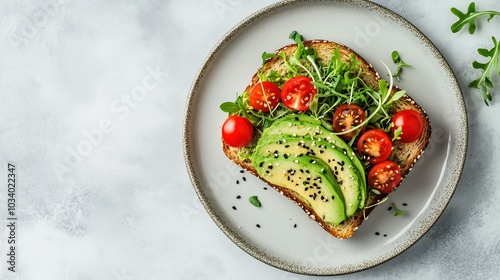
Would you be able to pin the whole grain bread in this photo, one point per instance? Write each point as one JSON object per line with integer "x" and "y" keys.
{"x": 404, "y": 154}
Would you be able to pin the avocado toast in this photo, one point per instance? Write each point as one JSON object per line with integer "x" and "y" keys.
{"x": 296, "y": 146}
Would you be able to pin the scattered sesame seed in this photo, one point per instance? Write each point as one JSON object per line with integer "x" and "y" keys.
{"x": 234, "y": 207}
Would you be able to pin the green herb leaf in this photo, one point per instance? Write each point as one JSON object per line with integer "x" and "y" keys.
{"x": 483, "y": 83}
{"x": 266, "y": 56}
{"x": 396, "y": 58}
{"x": 396, "y": 96}
{"x": 470, "y": 18}
{"x": 397, "y": 212}
{"x": 229, "y": 107}
{"x": 397, "y": 133}
{"x": 375, "y": 191}
{"x": 254, "y": 200}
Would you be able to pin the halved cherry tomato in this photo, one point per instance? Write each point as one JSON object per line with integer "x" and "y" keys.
{"x": 384, "y": 177}
{"x": 237, "y": 131}
{"x": 298, "y": 93}
{"x": 264, "y": 96}
{"x": 374, "y": 146}
{"x": 411, "y": 123}
{"x": 346, "y": 117}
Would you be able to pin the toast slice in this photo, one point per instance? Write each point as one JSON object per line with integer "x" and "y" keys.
{"x": 404, "y": 154}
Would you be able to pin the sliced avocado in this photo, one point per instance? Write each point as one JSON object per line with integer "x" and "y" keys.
{"x": 345, "y": 173}
{"x": 311, "y": 178}
{"x": 304, "y": 125}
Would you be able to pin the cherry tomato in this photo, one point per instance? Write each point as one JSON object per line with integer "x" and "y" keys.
{"x": 374, "y": 146}
{"x": 298, "y": 93}
{"x": 237, "y": 131}
{"x": 264, "y": 96}
{"x": 411, "y": 123}
{"x": 347, "y": 116}
{"x": 384, "y": 177}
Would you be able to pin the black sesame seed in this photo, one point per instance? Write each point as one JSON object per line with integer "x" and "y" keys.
{"x": 405, "y": 204}
{"x": 377, "y": 233}
{"x": 244, "y": 179}
{"x": 257, "y": 225}
{"x": 295, "y": 225}
{"x": 238, "y": 197}
{"x": 237, "y": 182}
{"x": 297, "y": 118}
{"x": 285, "y": 156}
{"x": 286, "y": 146}
{"x": 265, "y": 188}
{"x": 385, "y": 235}
{"x": 242, "y": 171}
{"x": 261, "y": 164}
{"x": 390, "y": 208}
{"x": 234, "y": 207}
{"x": 333, "y": 197}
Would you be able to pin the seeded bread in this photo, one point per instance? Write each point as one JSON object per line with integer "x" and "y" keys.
{"x": 405, "y": 155}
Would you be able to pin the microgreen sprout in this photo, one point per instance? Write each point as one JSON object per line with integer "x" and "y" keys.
{"x": 397, "y": 212}
{"x": 396, "y": 58}
{"x": 397, "y": 133}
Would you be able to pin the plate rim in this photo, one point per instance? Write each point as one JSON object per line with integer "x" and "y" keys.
{"x": 461, "y": 147}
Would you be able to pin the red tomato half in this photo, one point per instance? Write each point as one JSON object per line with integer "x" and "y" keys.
{"x": 411, "y": 123}
{"x": 384, "y": 177}
{"x": 346, "y": 117}
{"x": 237, "y": 131}
{"x": 264, "y": 96}
{"x": 298, "y": 93}
{"x": 374, "y": 146}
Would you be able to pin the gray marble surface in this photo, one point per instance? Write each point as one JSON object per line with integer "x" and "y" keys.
{"x": 92, "y": 97}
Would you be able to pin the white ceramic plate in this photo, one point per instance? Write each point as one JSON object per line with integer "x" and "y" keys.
{"x": 286, "y": 238}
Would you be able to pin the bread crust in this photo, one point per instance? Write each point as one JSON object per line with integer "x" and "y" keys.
{"x": 404, "y": 154}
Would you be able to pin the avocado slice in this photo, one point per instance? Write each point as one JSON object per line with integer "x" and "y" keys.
{"x": 311, "y": 178}
{"x": 345, "y": 173}
{"x": 297, "y": 125}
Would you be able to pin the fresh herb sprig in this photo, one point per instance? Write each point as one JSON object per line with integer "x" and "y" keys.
{"x": 397, "y": 211}
{"x": 483, "y": 83}
{"x": 470, "y": 18}
{"x": 396, "y": 58}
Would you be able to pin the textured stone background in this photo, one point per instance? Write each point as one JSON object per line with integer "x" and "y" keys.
{"x": 124, "y": 208}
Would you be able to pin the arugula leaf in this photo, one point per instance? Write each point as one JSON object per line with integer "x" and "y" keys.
{"x": 483, "y": 82}
{"x": 470, "y": 18}
{"x": 396, "y": 58}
